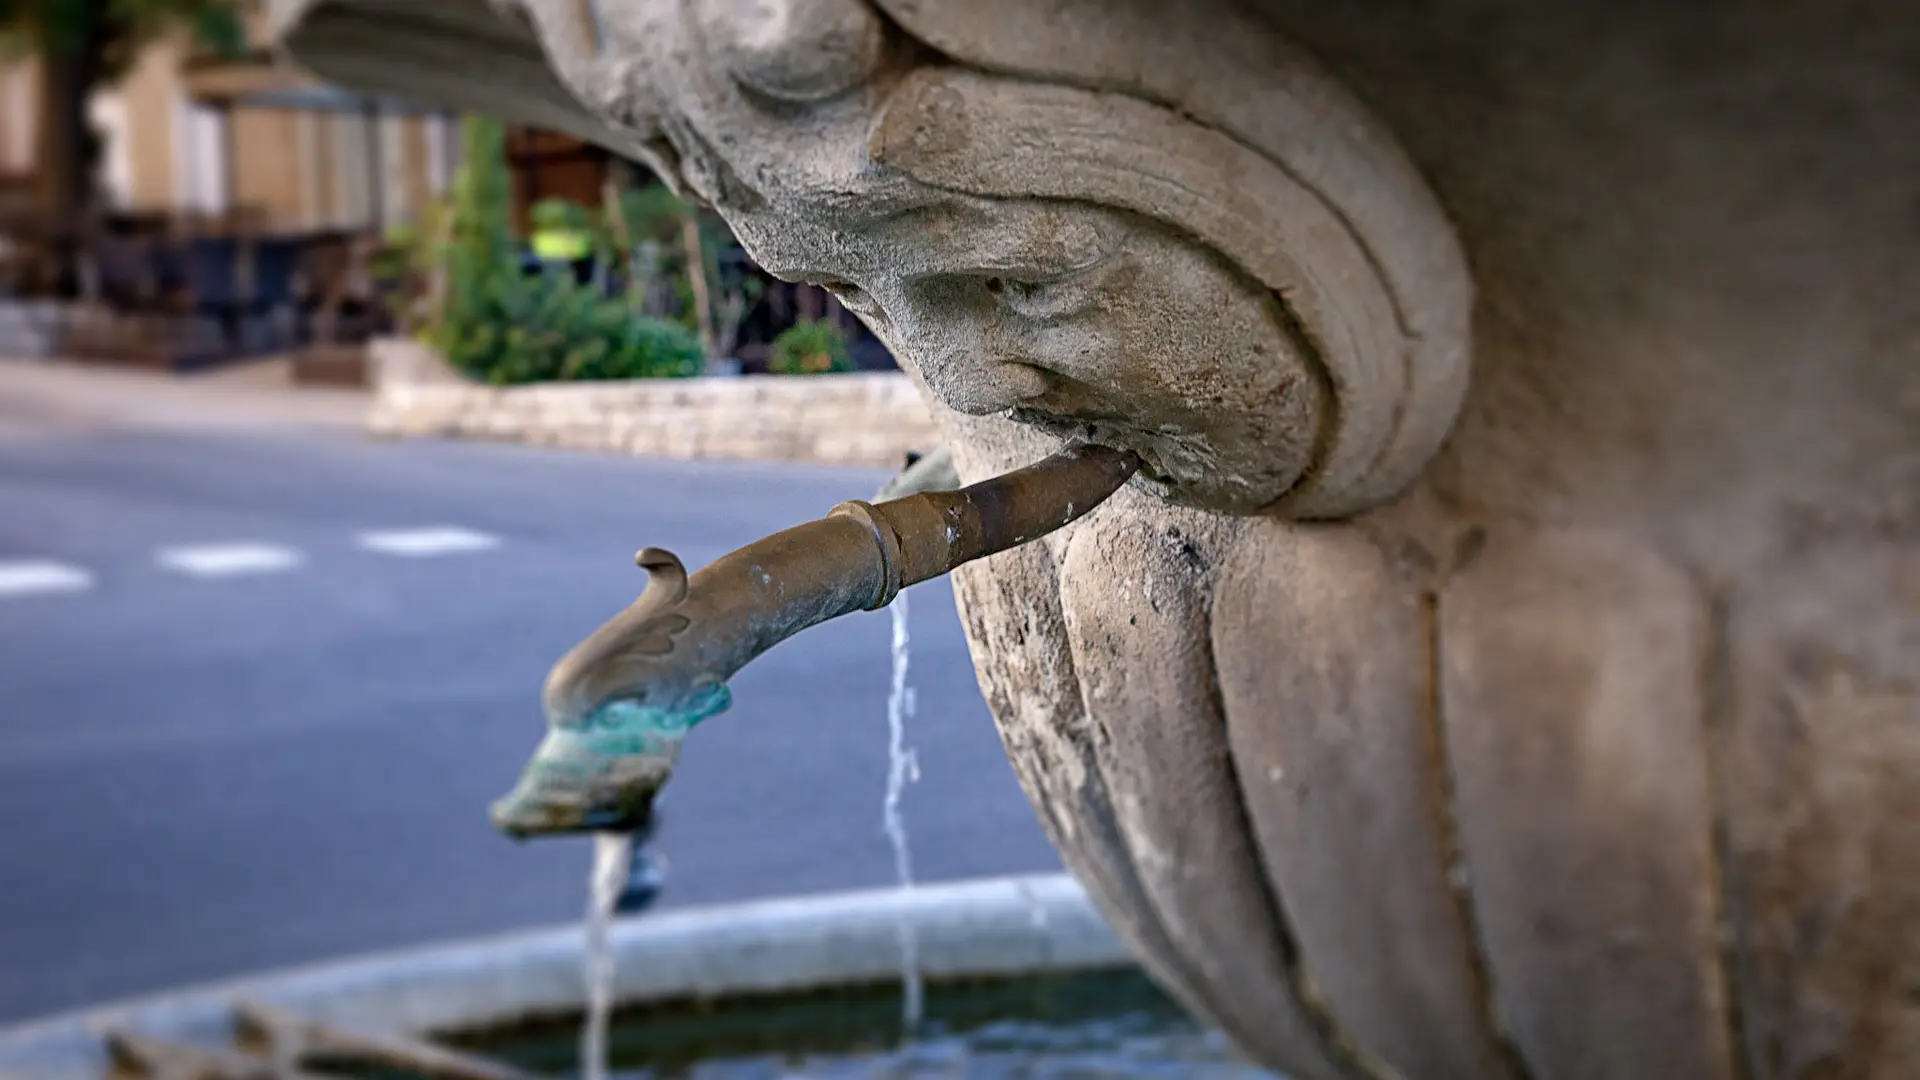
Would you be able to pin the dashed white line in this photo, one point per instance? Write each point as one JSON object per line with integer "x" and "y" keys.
{"x": 423, "y": 543}
{"x": 29, "y": 577}
{"x": 229, "y": 560}
{"x": 25, "y": 577}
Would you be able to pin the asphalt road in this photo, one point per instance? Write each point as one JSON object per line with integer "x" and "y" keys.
{"x": 278, "y": 745}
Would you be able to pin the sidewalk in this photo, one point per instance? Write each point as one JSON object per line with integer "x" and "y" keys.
{"x": 40, "y": 398}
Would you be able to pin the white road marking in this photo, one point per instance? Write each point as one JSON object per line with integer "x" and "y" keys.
{"x": 229, "y": 560}
{"x": 423, "y": 543}
{"x": 30, "y": 576}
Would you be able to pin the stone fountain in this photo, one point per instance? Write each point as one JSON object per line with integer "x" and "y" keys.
{"x": 1505, "y": 659}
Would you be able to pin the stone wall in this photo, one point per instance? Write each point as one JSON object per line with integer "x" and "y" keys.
{"x": 868, "y": 418}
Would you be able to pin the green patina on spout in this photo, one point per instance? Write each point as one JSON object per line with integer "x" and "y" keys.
{"x": 620, "y": 702}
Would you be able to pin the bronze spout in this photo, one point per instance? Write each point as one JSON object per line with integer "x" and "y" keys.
{"x": 620, "y": 702}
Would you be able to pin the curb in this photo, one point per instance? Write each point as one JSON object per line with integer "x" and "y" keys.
{"x": 985, "y": 927}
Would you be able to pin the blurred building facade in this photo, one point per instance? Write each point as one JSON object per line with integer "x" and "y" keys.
{"x": 238, "y": 186}
{"x": 244, "y": 142}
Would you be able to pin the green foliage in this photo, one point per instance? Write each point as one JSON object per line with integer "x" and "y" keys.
{"x": 810, "y": 347}
{"x": 407, "y": 266}
{"x": 558, "y": 213}
{"x": 403, "y": 253}
{"x": 541, "y": 327}
{"x": 651, "y": 241}
{"x": 116, "y": 29}
{"x": 480, "y": 244}
{"x": 501, "y": 324}
{"x": 654, "y": 213}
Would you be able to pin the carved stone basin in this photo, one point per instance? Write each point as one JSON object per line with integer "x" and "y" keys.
{"x": 1506, "y": 662}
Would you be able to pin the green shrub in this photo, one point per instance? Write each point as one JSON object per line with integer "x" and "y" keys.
{"x": 558, "y": 213}
{"x": 541, "y": 327}
{"x": 810, "y": 347}
{"x": 502, "y": 325}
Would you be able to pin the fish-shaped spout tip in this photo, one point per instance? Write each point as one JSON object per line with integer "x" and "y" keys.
{"x": 603, "y": 772}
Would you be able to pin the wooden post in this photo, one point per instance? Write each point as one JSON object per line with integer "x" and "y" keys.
{"x": 229, "y": 166}
{"x": 697, "y": 281}
{"x": 450, "y": 133}
{"x": 376, "y": 168}
{"x": 617, "y": 223}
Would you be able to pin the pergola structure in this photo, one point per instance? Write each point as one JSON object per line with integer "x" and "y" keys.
{"x": 545, "y": 164}
{"x": 263, "y": 81}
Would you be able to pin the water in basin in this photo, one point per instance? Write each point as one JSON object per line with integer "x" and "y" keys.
{"x": 1115, "y": 1025}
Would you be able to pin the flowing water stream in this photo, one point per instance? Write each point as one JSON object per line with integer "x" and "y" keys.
{"x": 612, "y": 852}
{"x": 613, "y": 855}
{"x": 902, "y": 769}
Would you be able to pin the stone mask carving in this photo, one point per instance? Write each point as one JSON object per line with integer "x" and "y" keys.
{"x": 1198, "y": 249}
{"x": 1585, "y": 752}
{"x": 1064, "y": 219}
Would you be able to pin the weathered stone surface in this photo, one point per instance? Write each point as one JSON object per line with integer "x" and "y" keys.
{"x": 1324, "y": 642}
{"x": 1817, "y": 718}
{"x": 1135, "y": 600}
{"x": 1569, "y": 685}
{"x": 1587, "y": 752}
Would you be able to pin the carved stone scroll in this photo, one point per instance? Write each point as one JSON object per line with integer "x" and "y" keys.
{"x": 1553, "y": 723}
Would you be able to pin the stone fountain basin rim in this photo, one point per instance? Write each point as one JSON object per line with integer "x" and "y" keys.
{"x": 1021, "y": 925}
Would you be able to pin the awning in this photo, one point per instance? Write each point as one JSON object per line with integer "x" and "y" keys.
{"x": 267, "y": 81}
